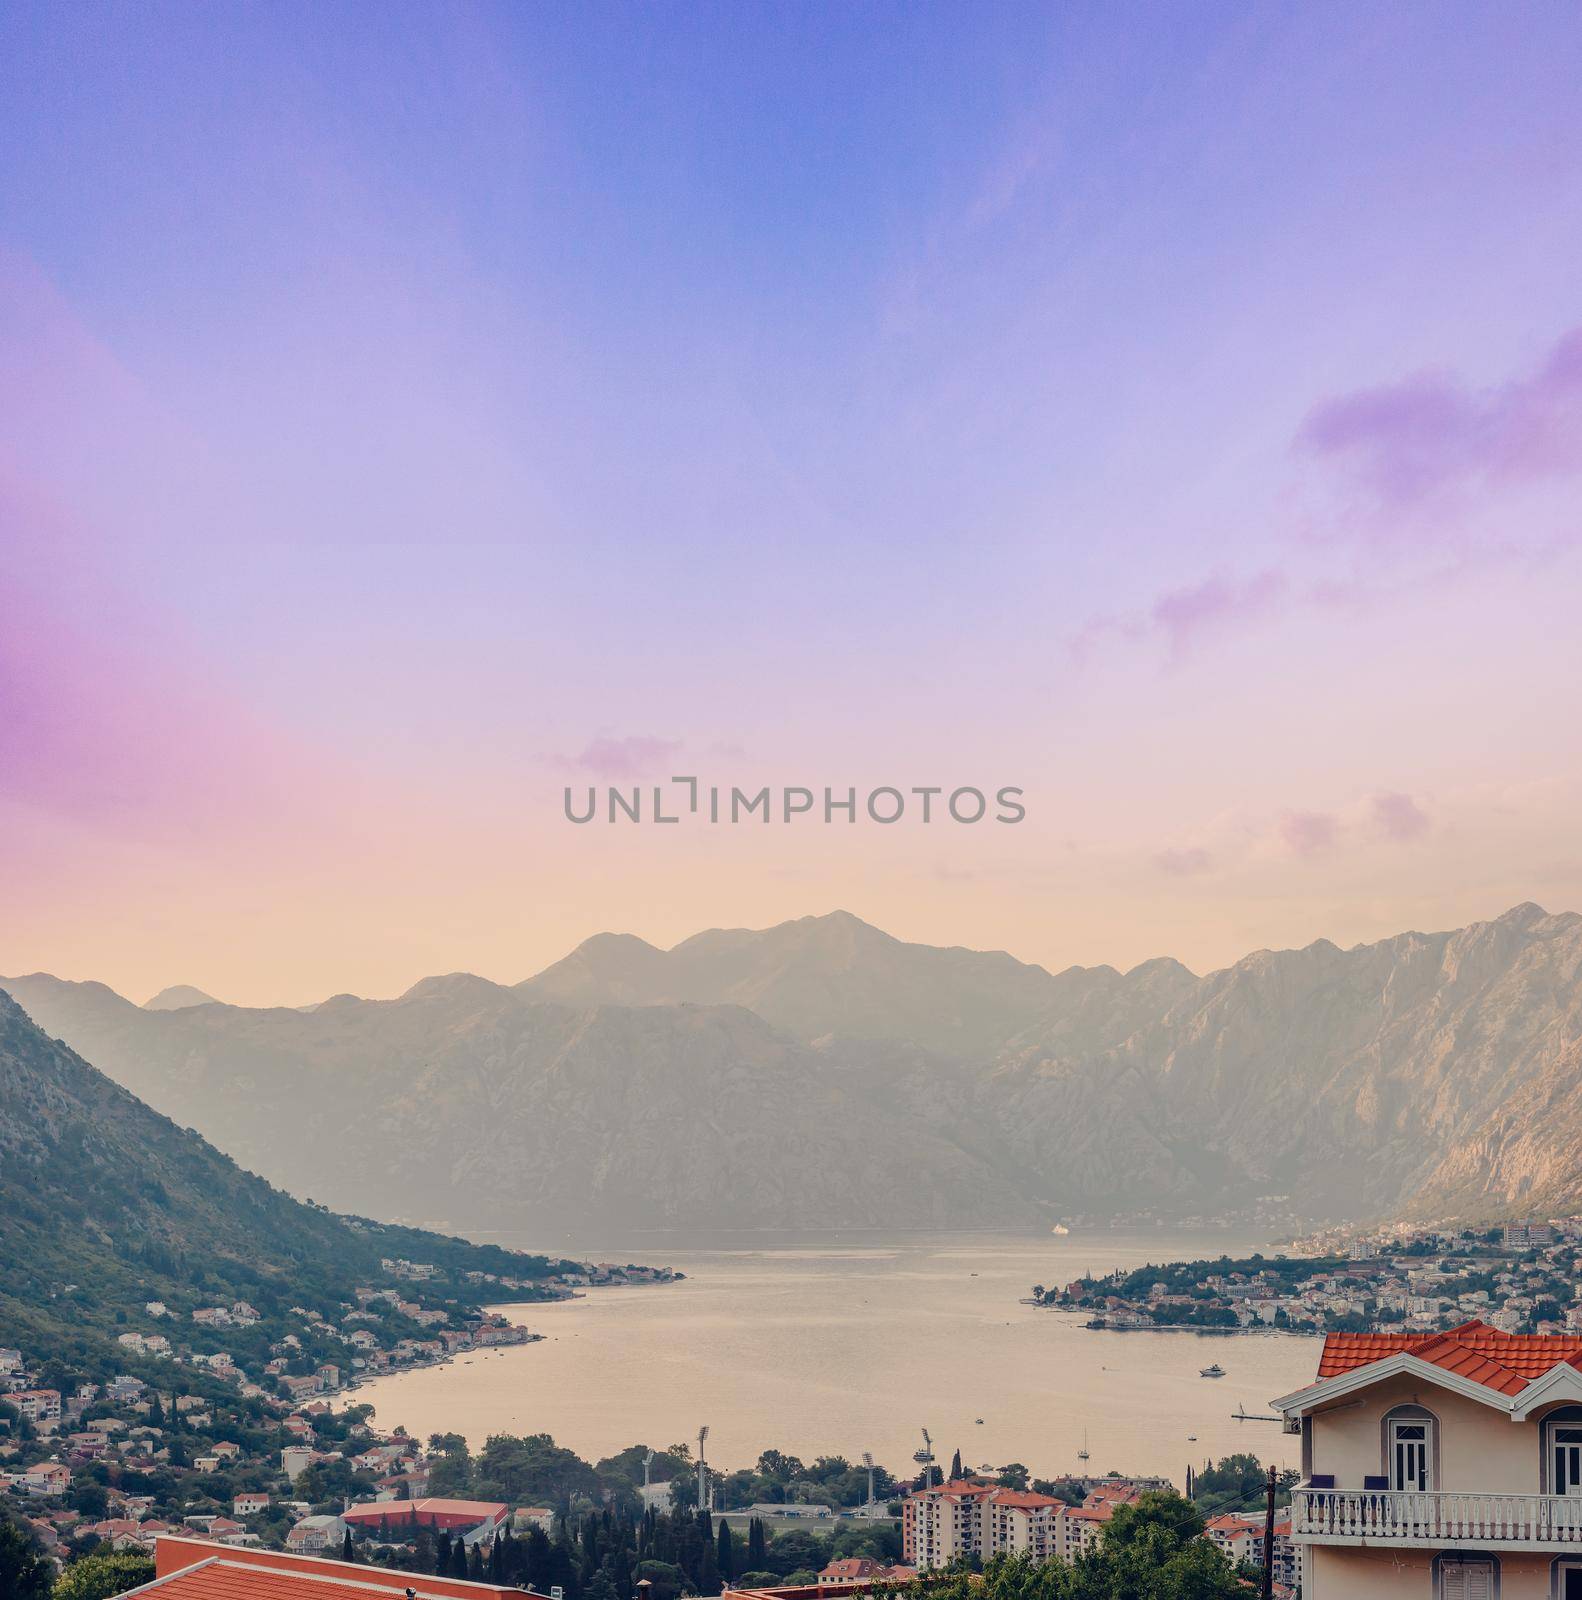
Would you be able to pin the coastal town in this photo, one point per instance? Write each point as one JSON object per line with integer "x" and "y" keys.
{"x": 293, "y": 1463}
{"x": 1520, "y": 1277}
{"x": 216, "y": 1415}
{"x": 221, "y": 1431}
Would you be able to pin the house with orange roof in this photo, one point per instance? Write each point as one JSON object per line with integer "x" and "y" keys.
{"x": 475, "y": 1520}
{"x": 1236, "y": 1537}
{"x": 193, "y": 1569}
{"x": 849, "y": 1569}
{"x": 1441, "y": 1465}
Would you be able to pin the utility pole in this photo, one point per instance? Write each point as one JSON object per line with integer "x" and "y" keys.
{"x": 1266, "y": 1587}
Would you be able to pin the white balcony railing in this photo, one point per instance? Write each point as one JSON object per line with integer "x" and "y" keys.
{"x": 1409, "y": 1516}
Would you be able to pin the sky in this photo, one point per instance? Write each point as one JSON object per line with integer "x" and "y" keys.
{"x": 408, "y": 413}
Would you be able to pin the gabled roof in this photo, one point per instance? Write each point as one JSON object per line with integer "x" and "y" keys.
{"x": 1229, "y": 1522}
{"x": 1504, "y": 1362}
{"x": 403, "y": 1510}
{"x": 1025, "y": 1499}
{"x": 1512, "y": 1372}
{"x": 191, "y": 1569}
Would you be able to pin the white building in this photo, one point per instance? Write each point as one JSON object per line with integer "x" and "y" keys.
{"x": 1441, "y": 1466}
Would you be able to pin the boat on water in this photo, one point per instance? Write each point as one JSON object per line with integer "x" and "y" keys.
{"x": 1082, "y": 1454}
{"x": 1060, "y": 1228}
{"x": 1215, "y": 1371}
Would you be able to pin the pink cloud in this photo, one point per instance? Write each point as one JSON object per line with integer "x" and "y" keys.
{"x": 1309, "y": 833}
{"x": 1183, "y": 618}
{"x": 1183, "y": 863}
{"x": 1185, "y": 615}
{"x": 1410, "y": 442}
{"x": 1398, "y": 817}
{"x": 635, "y": 756}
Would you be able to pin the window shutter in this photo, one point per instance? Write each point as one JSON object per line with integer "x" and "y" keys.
{"x": 1467, "y": 1580}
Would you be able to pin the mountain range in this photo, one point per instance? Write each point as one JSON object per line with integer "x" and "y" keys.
{"x": 822, "y": 1074}
{"x": 106, "y": 1205}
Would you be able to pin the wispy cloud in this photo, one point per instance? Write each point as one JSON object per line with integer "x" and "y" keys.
{"x": 1186, "y": 862}
{"x": 634, "y": 756}
{"x": 1409, "y": 470}
{"x": 1183, "y": 618}
{"x": 1398, "y": 818}
{"x": 1410, "y": 444}
{"x": 1309, "y": 833}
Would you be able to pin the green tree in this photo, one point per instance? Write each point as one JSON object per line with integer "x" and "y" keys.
{"x": 793, "y": 1550}
{"x": 90, "y": 1499}
{"x": 450, "y": 1469}
{"x": 779, "y": 1466}
{"x": 98, "y": 1576}
{"x": 725, "y": 1555}
{"x": 1155, "y": 1509}
{"x": 24, "y": 1571}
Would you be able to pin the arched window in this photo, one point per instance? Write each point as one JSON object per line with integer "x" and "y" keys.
{"x": 1561, "y": 1471}
{"x": 1411, "y": 1448}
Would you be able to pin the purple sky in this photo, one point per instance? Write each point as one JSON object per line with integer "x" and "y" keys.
{"x": 406, "y": 413}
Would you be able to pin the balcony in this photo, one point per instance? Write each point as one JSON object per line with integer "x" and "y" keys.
{"x": 1428, "y": 1518}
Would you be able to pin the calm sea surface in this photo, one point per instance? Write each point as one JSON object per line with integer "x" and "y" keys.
{"x": 844, "y": 1347}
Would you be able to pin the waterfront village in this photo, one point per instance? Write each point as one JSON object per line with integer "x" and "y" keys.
{"x": 1521, "y": 1277}
{"x": 134, "y": 1465}
{"x": 220, "y": 1427}
{"x": 190, "y": 1452}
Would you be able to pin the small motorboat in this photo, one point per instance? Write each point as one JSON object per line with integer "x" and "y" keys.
{"x": 978, "y": 1421}
{"x": 1215, "y": 1371}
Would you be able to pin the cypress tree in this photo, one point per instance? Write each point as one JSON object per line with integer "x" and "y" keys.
{"x": 536, "y": 1560}
{"x": 458, "y": 1559}
{"x": 757, "y": 1547}
{"x": 497, "y": 1560}
{"x": 442, "y": 1565}
{"x": 955, "y": 1467}
{"x": 347, "y": 1553}
{"x": 726, "y": 1553}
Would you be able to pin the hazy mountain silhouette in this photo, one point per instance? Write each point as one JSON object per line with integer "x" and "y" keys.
{"x": 99, "y": 1192}
{"x": 820, "y": 1074}
{"x": 178, "y": 997}
{"x": 836, "y": 975}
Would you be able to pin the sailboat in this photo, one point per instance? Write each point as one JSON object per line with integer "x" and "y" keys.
{"x": 1082, "y": 1454}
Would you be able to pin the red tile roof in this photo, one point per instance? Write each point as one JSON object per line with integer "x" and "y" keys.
{"x": 1024, "y": 1499}
{"x": 192, "y": 1569}
{"x": 1504, "y": 1362}
{"x": 405, "y": 1510}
